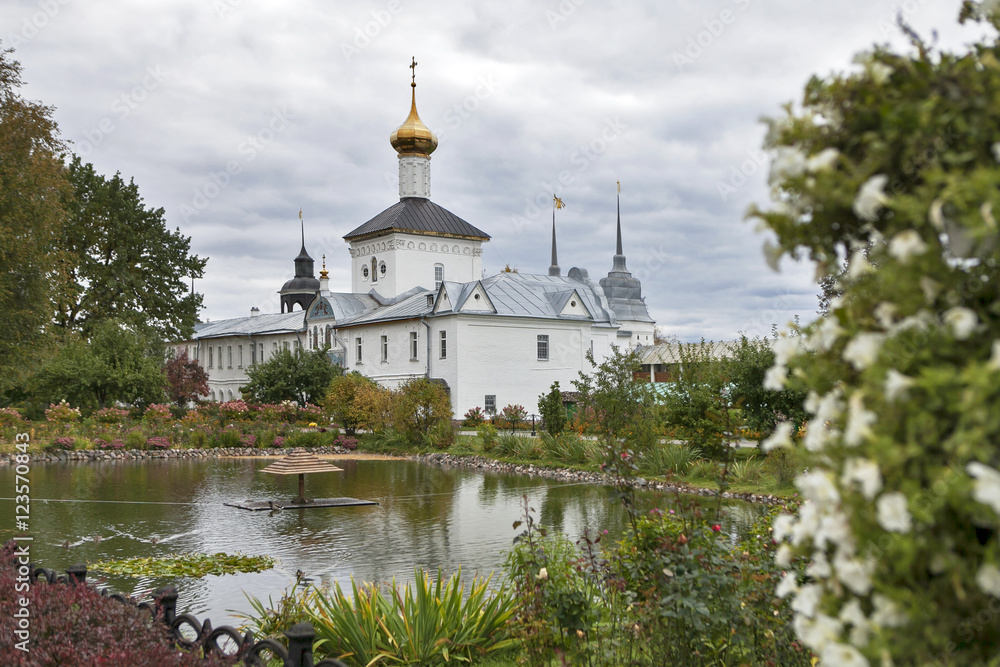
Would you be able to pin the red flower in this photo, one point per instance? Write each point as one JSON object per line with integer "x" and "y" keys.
{"x": 716, "y": 527}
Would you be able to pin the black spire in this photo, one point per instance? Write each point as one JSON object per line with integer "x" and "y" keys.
{"x": 554, "y": 268}
{"x": 619, "y": 259}
{"x": 304, "y": 264}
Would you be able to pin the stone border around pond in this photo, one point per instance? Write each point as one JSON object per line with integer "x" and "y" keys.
{"x": 570, "y": 475}
{"x": 135, "y": 454}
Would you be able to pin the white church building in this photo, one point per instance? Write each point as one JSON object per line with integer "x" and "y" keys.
{"x": 419, "y": 306}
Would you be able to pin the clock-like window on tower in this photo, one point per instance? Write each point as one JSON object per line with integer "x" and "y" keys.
{"x": 374, "y": 270}
{"x": 438, "y": 275}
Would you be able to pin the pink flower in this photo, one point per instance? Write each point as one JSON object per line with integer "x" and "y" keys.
{"x": 716, "y": 527}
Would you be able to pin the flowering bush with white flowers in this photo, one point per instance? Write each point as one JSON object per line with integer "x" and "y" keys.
{"x": 899, "y": 530}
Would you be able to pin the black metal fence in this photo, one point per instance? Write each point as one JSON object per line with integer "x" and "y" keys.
{"x": 192, "y": 635}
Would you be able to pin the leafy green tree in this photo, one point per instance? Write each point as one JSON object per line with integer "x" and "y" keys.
{"x": 33, "y": 187}
{"x": 187, "y": 381}
{"x": 761, "y": 409}
{"x": 118, "y": 364}
{"x": 119, "y": 261}
{"x": 300, "y": 376}
{"x": 343, "y": 403}
{"x": 421, "y": 406}
{"x": 901, "y": 526}
{"x": 553, "y": 411}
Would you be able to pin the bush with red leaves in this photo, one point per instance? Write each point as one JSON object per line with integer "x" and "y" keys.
{"x": 71, "y": 624}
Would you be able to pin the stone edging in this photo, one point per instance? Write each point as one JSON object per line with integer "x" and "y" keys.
{"x": 135, "y": 454}
{"x": 570, "y": 475}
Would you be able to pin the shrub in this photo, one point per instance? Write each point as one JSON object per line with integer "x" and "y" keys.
{"x": 248, "y": 440}
{"x": 10, "y": 417}
{"x": 553, "y": 411}
{"x": 487, "y": 432}
{"x": 747, "y": 471}
{"x": 229, "y": 437}
{"x": 473, "y": 418}
{"x": 135, "y": 439}
{"x": 305, "y": 439}
{"x": 111, "y": 415}
{"x": 157, "y": 443}
{"x": 61, "y": 412}
{"x": 705, "y": 469}
{"x": 511, "y": 417}
{"x": 75, "y": 625}
{"x": 670, "y": 457}
{"x": 420, "y": 405}
{"x": 61, "y": 444}
{"x": 157, "y": 413}
{"x": 278, "y": 442}
{"x": 347, "y": 442}
{"x": 114, "y": 445}
{"x": 233, "y": 410}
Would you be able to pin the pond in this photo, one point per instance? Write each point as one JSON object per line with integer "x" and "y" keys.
{"x": 427, "y": 516}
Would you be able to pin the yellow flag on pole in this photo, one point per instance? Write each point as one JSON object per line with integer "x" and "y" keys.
{"x": 619, "y": 187}
{"x": 558, "y": 203}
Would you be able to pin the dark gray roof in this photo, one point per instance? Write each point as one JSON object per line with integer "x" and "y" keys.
{"x": 416, "y": 214}
{"x": 273, "y": 323}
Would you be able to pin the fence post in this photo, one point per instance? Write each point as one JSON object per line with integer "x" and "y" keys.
{"x": 166, "y": 601}
{"x": 77, "y": 573}
{"x": 300, "y": 644}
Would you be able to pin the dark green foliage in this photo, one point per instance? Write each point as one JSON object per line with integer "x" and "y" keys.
{"x": 553, "y": 411}
{"x": 33, "y": 186}
{"x": 119, "y": 261}
{"x": 117, "y": 364}
{"x": 422, "y": 412}
{"x": 290, "y": 376}
{"x": 762, "y": 409}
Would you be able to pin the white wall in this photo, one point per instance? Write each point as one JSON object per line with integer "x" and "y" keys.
{"x": 410, "y": 260}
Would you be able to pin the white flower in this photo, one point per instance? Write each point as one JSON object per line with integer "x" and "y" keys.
{"x": 806, "y": 526}
{"x": 781, "y": 527}
{"x": 994, "y": 363}
{"x": 786, "y": 348}
{"x": 807, "y": 600}
{"x": 988, "y": 580}
{"x": 863, "y": 349}
{"x": 772, "y": 255}
{"x": 788, "y": 162}
{"x": 819, "y": 568}
{"x": 865, "y": 473}
{"x": 885, "y": 313}
{"x": 931, "y": 288}
{"x": 783, "y": 557}
{"x": 818, "y": 632}
{"x": 787, "y": 585}
{"x": 896, "y": 384}
{"x": 543, "y": 574}
{"x": 893, "y": 512}
{"x": 834, "y": 529}
{"x": 775, "y": 378}
{"x": 986, "y": 210}
{"x": 880, "y": 72}
{"x": 854, "y": 574}
{"x": 842, "y": 655}
{"x": 852, "y": 614}
{"x": 871, "y": 198}
{"x": 828, "y": 333}
{"x": 962, "y": 321}
{"x": 858, "y": 265}
{"x": 827, "y": 410}
{"x": 996, "y": 150}
{"x": 782, "y": 437}
{"x": 822, "y": 160}
{"x": 859, "y": 421}
{"x": 986, "y": 488}
{"x": 817, "y": 486}
{"x": 886, "y": 613}
{"x": 935, "y": 214}
{"x": 907, "y": 244}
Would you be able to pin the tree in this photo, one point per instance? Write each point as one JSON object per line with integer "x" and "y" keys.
{"x": 187, "y": 381}
{"x": 342, "y": 402}
{"x": 118, "y": 364}
{"x": 900, "y": 525}
{"x": 553, "y": 411}
{"x": 762, "y": 409}
{"x": 32, "y": 189}
{"x": 421, "y": 405}
{"x": 119, "y": 261}
{"x": 300, "y": 376}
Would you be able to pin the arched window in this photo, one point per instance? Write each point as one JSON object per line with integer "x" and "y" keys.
{"x": 438, "y": 275}
{"x": 328, "y": 330}
{"x": 374, "y": 270}
{"x": 211, "y": 396}
{"x": 315, "y": 337}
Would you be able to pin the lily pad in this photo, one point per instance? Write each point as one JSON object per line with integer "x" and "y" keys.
{"x": 193, "y": 565}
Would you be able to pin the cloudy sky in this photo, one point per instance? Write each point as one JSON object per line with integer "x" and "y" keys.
{"x": 234, "y": 114}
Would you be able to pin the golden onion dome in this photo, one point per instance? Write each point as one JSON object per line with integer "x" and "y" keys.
{"x": 413, "y": 137}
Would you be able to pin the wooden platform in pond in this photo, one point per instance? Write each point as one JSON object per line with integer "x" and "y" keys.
{"x": 258, "y": 505}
